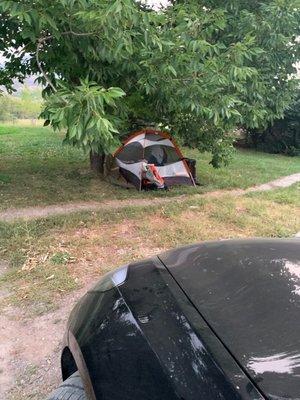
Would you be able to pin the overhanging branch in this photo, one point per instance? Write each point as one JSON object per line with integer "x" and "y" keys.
{"x": 43, "y": 40}
{"x": 38, "y": 47}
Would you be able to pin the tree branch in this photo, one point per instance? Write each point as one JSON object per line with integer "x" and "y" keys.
{"x": 77, "y": 33}
{"x": 38, "y": 47}
{"x": 44, "y": 39}
{"x": 70, "y": 32}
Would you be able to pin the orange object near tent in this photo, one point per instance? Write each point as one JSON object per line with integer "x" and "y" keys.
{"x": 150, "y": 176}
{"x": 152, "y": 147}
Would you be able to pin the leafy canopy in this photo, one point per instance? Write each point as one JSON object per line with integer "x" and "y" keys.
{"x": 281, "y": 137}
{"x": 83, "y": 111}
{"x": 199, "y": 68}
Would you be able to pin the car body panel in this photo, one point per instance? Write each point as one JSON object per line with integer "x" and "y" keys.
{"x": 197, "y": 364}
{"x": 114, "y": 349}
{"x": 248, "y": 292}
{"x": 143, "y": 339}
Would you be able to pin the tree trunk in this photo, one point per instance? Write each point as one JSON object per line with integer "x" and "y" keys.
{"x": 97, "y": 161}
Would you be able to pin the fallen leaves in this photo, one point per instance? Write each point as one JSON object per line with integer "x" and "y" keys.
{"x": 34, "y": 260}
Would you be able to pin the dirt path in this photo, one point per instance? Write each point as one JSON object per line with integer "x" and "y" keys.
{"x": 283, "y": 182}
{"x": 13, "y": 214}
{"x": 30, "y": 350}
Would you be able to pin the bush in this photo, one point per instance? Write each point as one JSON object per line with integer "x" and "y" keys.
{"x": 283, "y": 136}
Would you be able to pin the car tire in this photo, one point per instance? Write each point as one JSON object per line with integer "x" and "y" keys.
{"x": 70, "y": 389}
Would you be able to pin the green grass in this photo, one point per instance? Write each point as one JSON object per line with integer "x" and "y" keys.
{"x": 246, "y": 169}
{"x": 35, "y": 169}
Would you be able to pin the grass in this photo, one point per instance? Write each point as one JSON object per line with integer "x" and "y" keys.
{"x": 23, "y": 122}
{"x": 35, "y": 169}
{"x": 53, "y": 256}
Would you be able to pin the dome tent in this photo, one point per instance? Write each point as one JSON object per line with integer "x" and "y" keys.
{"x": 153, "y": 147}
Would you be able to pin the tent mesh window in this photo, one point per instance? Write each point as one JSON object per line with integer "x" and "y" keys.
{"x": 170, "y": 154}
{"x": 131, "y": 153}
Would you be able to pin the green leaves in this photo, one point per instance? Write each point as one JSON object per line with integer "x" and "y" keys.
{"x": 87, "y": 112}
{"x": 200, "y": 70}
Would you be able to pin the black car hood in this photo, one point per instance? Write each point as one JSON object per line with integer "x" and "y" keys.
{"x": 249, "y": 294}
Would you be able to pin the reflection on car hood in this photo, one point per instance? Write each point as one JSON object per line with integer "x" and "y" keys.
{"x": 249, "y": 293}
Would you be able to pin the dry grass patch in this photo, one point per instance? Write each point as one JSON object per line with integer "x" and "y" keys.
{"x": 51, "y": 257}
{"x": 256, "y": 217}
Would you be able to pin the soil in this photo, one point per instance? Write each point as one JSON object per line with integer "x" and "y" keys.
{"x": 30, "y": 350}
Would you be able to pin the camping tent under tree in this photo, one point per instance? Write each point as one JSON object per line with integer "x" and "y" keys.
{"x": 157, "y": 148}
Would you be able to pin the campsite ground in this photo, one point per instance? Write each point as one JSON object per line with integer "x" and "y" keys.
{"x": 35, "y": 169}
{"x": 46, "y": 264}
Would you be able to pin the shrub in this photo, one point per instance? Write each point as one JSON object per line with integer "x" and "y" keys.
{"x": 281, "y": 137}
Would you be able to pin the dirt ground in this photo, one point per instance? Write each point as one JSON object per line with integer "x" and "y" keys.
{"x": 30, "y": 350}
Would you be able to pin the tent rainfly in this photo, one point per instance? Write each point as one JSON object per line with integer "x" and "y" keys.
{"x": 153, "y": 147}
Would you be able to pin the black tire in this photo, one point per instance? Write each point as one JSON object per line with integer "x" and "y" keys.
{"x": 70, "y": 389}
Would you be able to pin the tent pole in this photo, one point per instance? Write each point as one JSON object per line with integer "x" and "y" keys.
{"x": 142, "y": 164}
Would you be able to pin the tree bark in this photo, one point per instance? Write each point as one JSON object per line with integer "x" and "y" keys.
{"x": 97, "y": 161}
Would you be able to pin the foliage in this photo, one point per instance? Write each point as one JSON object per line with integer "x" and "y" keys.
{"x": 283, "y": 136}
{"x": 198, "y": 69}
{"x": 26, "y": 105}
{"x": 86, "y": 112}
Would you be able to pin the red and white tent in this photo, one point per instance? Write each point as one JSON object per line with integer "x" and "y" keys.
{"x": 154, "y": 147}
